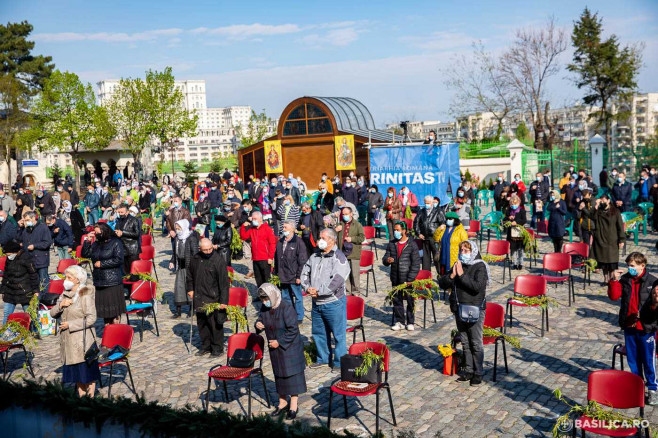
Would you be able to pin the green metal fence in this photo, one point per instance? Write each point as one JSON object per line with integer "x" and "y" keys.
{"x": 630, "y": 159}
{"x": 496, "y": 149}
{"x": 557, "y": 161}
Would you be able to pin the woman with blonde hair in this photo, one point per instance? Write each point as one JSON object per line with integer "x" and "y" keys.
{"x": 76, "y": 311}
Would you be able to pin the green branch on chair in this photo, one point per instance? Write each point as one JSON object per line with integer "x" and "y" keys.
{"x": 369, "y": 359}
{"x": 233, "y": 313}
{"x": 143, "y": 276}
{"x": 541, "y": 301}
{"x": 417, "y": 289}
{"x": 492, "y": 258}
{"x": 489, "y": 332}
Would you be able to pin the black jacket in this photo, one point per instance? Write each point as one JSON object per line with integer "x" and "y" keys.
{"x": 144, "y": 202}
{"x": 539, "y": 195}
{"x": 106, "y": 200}
{"x": 375, "y": 201}
{"x": 520, "y": 217}
{"x": 208, "y": 278}
{"x": 215, "y": 198}
{"x": 64, "y": 234}
{"x": 39, "y": 236}
{"x": 78, "y": 226}
{"x": 110, "y": 254}
{"x": 8, "y": 232}
{"x": 48, "y": 205}
{"x": 288, "y": 264}
{"x": 350, "y": 195}
{"x": 314, "y": 226}
{"x": 406, "y": 267}
{"x": 75, "y": 197}
{"x": 222, "y": 238}
{"x": 281, "y": 326}
{"x": 296, "y": 197}
{"x": 647, "y": 282}
{"x": 426, "y": 224}
{"x": 202, "y": 211}
{"x": 20, "y": 280}
{"x": 131, "y": 234}
{"x": 182, "y": 261}
{"x": 325, "y": 204}
{"x": 471, "y": 287}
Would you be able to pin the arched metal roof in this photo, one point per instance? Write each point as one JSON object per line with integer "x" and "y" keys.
{"x": 350, "y": 114}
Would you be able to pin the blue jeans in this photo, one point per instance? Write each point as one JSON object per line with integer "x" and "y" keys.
{"x": 641, "y": 355}
{"x": 92, "y": 216}
{"x": 9, "y": 309}
{"x": 293, "y": 294}
{"x": 44, "y": 280}
{"x": 328, "y": 319}
{"x": 63, "y": 252}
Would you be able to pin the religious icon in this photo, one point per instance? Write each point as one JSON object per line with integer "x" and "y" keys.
{"x": 344, "y": 148}
{"x": 273, "y": 161}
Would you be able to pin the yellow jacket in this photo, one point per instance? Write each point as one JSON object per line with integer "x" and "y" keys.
{"x": 458, "y": 236}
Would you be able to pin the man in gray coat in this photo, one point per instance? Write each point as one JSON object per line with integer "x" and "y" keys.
{"x": 323, "y": 277}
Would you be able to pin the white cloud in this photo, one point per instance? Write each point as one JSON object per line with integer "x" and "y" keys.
{"x": 242, "y": 31}
{"x": 336, "y": 37}
{"x": 108, "y": 37}
{"x": 439, "y": 41}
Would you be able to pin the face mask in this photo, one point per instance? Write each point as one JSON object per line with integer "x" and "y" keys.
{"x": 633, "y": 271}
{"x": 20, "y": 192}
{"x": 460, "y": 194}
{"x": 176, "y": 205}
{"x": 346, "y": 218}
{"x": 348, "y": 185}
{"x": 105, "y": 192}
{"x": 645, "y": 178}
{"x": 620, "y": 179}
{"x": 29, "y": 224}
{"x": 214, "y": 188}
{"x": 397, "y": 234}
{"x": 581, "y": 187}
{"x": 267, "y": 303}
{"x": 255, "y": 223}
{"x": 322, "y": 244}
{"x": 324, "y": 191}
{"x": 515, "y": 207}
{"x": 247, "y": 210}
{"x": 324, "y": 178}
{"x": 286, "y": 202}
{"x": 539, "y": 178}
{"x": 614, "y": 172}
{"x": 428, "y": 206}
{"x": 653, "y": 172}
{"x": 12, "y": 256}
{"x": 500, "y": 178}
{"x": 405, "y": 191}
{"x": 517, "y": 178}
{"x": 360, "y": 183}
{"x": 90, "y": 192}
{"x": 2, "y": 219}
{"x": 68, "y": 284}
{"x": 435, "y": 204}
{"x": 450, "y": 222}
{"x": 219, "y": 224}
{"x": 372, "y": 191}
{"x": 390, "y": 195}
{"x": 286, "y": 233}
{"x": 464, "y": 258}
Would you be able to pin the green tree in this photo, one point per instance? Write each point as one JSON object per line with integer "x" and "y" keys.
{"x": 521, "y": 131}
{"x": 13, "y": 120}
{"x": 255, "y": 131}
{"x": 604, "y": 69}
{"x": 68, "y": 119}
{"x": 168, "y": 118}
{"x": 17, "y": 60}
{"x": 190, "y": 170}
{"x": 129, "y": 113}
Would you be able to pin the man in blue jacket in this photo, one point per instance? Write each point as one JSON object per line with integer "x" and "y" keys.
{"x": 92, "y": 199}
{"x": 622, "y": 192}
{"x": 8, "y": 229}
{"x": 644, "y": 186}
{"x": 214, "y": 197}
{"x": 62, "y": 235}
{"x": 35, "y": 240}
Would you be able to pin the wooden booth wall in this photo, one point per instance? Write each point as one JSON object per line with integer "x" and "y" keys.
{"x": 309, "y": 162}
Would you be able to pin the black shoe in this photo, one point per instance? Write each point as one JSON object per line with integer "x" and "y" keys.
{"x": 202, "y": 353}
{"x": 175, "y": 316}
{"x": 476, "y": 380}
{"x": 465, "y": 378}
{"x": 277, "y": 411}
{"x": 317, "y": 365}
{"x": 217, "y": 353}
{"x": 291, "y": 415}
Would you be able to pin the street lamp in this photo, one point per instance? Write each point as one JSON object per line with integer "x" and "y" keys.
{"x": 173, "y": 146}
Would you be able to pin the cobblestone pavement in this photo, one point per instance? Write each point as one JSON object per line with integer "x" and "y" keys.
{"x": 580, "y": 340}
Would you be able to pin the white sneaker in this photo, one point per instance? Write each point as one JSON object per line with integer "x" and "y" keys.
{"x": 410, "y": 327}
{"x": 397, "y": 327}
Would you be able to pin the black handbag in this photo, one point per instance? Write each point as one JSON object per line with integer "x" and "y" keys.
{"x": 49, "y": 299}
{"x": 467, "y": 313}
{"x": 348, "y": 365}
{"x": 92, "y": 353}
{"x": 242, "y": 358}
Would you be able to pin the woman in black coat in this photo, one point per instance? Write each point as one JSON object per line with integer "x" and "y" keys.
{"x": 20, "y": 281}
{"x": 403, "y": 258}
{"x": 202, "y": 211}
{"x": 106, "y": 255}
{"x": 278, "y": 319}
{"x": 516, "y": 215}
{"x": 223, "y": 237}
{"x": 609, "y": 235}
{"x": 557, "y": 209}
{"x": 468, "y": 279}
{"x": 78, "y": 226}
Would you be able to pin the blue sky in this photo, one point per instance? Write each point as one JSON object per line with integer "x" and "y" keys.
{"x": 388, "y": 54}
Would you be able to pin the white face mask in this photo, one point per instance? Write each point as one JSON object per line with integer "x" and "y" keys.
{"x": 286, "y": 233}
{"x": 12, "y": 256}
{"x": 322, "y": 244}
{"x": 68, "y": 284}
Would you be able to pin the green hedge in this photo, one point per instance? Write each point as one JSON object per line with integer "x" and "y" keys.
{"x": 151, "y": 418}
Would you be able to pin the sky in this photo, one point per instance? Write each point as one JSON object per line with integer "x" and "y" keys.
{"x": 390, "y": 55}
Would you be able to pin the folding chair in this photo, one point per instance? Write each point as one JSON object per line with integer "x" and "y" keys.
{"x": 581, "y": 249}
{"x": 143, "y": 294}
{"x": 63, "y": 265}
{"x": 239, "y": 296}
{"x": 23, "y": 319}
{"x": 113, "y": 335}
{"x": 528, "y": 286}
{"x": 367, "y": 267}
{"x": 500, "y": 248}
{"x": 148, "y": 254}
{"x": 370, "y": 239}
{"x": 559, "y": 262}
{"x": 356, "y": 307}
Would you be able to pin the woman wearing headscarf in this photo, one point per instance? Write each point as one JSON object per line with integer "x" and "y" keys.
{"x": 468, "y": 280}
{"x": 65, "y": 211}
{"x": 448, "y": 237}
{"x": 76, "y": 311}
{"x": 185, "y": 247}
{"x": 106, "y": 255}
{"x": 515, "y": 214}
{"x": 278, "y": 319}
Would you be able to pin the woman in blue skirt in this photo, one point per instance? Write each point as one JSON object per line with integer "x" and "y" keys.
{"x": 76, "y": 311}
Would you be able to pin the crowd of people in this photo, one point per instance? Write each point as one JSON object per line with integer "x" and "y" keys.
{"x": 312, "y": 243}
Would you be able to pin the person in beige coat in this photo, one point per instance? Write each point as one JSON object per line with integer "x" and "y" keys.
{"x": 76, "y": 311}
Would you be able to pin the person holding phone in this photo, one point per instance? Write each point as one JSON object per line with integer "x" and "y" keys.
{"x": 609, "y": 235}
{"x": 635, "y": 287}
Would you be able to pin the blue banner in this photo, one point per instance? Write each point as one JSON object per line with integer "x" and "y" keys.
{"x": 424, "y": 169}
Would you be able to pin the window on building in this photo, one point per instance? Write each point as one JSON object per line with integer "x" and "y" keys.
{"x": 307, "y": 119}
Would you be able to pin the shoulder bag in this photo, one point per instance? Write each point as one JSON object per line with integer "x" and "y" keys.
{"x": 92, "y": 353}
{"x": 466, "y": 313}
{"x": 242, "y": 358}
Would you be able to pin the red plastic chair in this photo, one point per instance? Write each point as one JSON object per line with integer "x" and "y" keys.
{"x": 147, "y": 240}
{"x": 340, "y": 387}
{"x": 500, "y": 248}
{"x": 617, "y": 390}
{"x": 64, "y": 264}
{"x": 230, "y": 270}
{"x": 494, "y": 318}
{"x": 528, "y": 286}
{"x": 23, "y": 319}
{"x": 356, "y": 309}
{"x": 225, "y": 373}
{"x": 473, "y": 229}
{"x": 113, "y": 335}
{"x": 239, "y": 296}
{"x": 3, "y": 262}
{"x": 370, "y": 239}
{"x": 148, "y": 221}
{"x": 426, "y": 275}
{"x": 83, "y": 264}
{"x": 581, "y": 249}
{"x": 620, "y": 349}
{"x": 139, "y": 267}
{"x": 148, "y": 253}
{"x": 410, "y": 225}
{"x": 367, "y": 265}
{"x": 142, "y": 302}
{"x": 56, "y": 286}
{"x": 559, "y": 262}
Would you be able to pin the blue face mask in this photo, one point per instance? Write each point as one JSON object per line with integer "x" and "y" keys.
{"x": 515, "y": 207}
{"x": 428, "y": 206}
{"x": 435, "y": 204}
{"x": 346, "y": 218}
{"x": 255, "y": 223}
{"x": 620, "y": 179}
{"x": 464, "y": 258}
{"x": 633, "y": 271}
{"x": 390, "y": 195}
{"x": 450, "y": 222}
{"x": 397, "y": 234}
{"x": 267, "y": 304}
{"x": 552, "y": 198}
